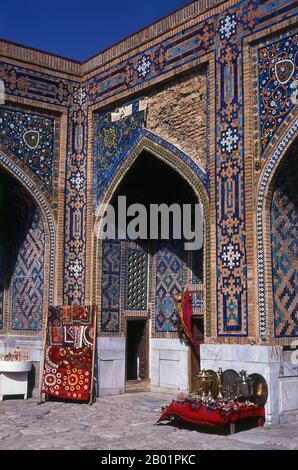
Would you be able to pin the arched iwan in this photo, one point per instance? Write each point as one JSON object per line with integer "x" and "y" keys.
{"x": 261, "y": 214}
{"x": 195, "y": 176}
{"x": 47, "y": 216}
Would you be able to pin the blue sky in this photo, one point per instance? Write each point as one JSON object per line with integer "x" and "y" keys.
{"x": 78, "y": 28}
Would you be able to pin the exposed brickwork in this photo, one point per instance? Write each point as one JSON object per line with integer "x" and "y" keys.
{"x": 177, "y": 112}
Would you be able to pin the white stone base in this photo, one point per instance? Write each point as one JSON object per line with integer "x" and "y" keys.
{"x": 14, "y": 378}
{"x": 111, "y": 366}
{"x": 169, "y": 359}
{"x": 270, "y": 362}
{"x": 169, "y": 365}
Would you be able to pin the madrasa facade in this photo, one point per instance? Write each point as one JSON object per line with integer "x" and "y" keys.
{"x": 200, "y": 106}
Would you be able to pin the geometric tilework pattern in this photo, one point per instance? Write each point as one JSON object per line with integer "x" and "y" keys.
{"x": 75, "y": 219}
{"x": 111, "y": 142}
{"x": 28, "y": 279}
{"x": 269, "y": 170}
{"x": 136, "y": 279}
{"x": 284, "y": 239}
{"x": 111, "y": 262}
{"x": 278, "y": 68}
{"x": 198, "y": 301}
{"x": 219, "y": 31}
{"x": 12, "y": 168}
{"x": 231, "y": 289}
{"x": 140, "y": 134}
{"x": 3, "y": 248}
{"x": 169, "y": 282}
{"x": 197, "y": 263}
{"x": 31, "y": 139}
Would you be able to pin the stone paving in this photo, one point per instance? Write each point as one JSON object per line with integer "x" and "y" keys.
{"x": 121, "y": 423}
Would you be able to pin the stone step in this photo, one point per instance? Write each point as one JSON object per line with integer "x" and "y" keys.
{"x": 137, "y": 386}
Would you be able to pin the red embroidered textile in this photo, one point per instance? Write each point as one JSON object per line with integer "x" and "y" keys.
{"x": 199, "y": 414}
{"x": 186, "y": 319}
{"x": 69, "y": 352}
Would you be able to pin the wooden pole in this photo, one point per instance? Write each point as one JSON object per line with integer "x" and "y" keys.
{"x": 42, "y": 360}
{"x": 93, "y": 355}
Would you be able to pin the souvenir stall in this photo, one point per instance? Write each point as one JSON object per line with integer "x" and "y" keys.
{"x": 221, "y": 398}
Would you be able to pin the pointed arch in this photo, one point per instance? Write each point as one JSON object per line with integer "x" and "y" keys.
{"x": 190, "y": 171}
{"x": 162, "y": 149}
{"x": 265, "y": 189}
{"x": 47, "y": 218}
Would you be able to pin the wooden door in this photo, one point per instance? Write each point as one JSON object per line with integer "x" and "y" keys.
{"x": 198, "y": 332}
{"x": 137, "y": 350}
{"x": 143, "y": 352}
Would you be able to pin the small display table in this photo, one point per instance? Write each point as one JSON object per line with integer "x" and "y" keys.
{"x": 197, "y": 414}
{"x": 14, "y": 378}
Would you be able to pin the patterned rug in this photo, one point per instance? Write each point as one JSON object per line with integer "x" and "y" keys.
{"x": 68, "y": 361}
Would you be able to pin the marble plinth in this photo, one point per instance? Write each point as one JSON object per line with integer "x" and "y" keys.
{"x": 169, "y": 365}
{"x": 269, "y": 361}
{"x": 14, "y": 378}
{"x": 33, "y": 346}
{"x": 111, "y": 366}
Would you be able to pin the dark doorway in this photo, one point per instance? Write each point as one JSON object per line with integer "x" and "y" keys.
{"x": 22, "y": 243}
{"x": 137, "y": 350}
{"x": 152, "y": 181}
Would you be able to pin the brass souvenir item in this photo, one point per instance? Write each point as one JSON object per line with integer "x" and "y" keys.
{"x": 229, "y": 382}
{"x": 244, "y": 386}
{"x": 214, "y": 383}
{"x": 260, "y": 389}
{"x": 205, "y": 380}
{"x": 220, "y": 384}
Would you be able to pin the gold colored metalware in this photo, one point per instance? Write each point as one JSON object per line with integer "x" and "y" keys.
{"x": 207, "y": 381}
{"x": 260, "y": 389}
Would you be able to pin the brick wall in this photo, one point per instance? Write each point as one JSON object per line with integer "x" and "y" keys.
{"x": 177, "y": 113}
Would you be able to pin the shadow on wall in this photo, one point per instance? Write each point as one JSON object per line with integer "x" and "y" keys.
{"x": 32, "y": 376}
